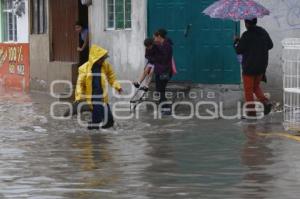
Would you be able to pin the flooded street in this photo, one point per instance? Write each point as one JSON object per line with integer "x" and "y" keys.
{"x": 42, "y": 158}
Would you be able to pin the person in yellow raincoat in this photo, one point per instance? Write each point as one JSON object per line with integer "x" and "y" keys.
{"x": 93, "y": 79}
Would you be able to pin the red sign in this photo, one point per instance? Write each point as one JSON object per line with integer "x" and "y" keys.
{"x": 14, "y": 66}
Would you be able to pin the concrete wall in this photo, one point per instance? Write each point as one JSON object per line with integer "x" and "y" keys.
{"x": 283, "y": 22}
{"x": 125, "y": 47}
{"x": 42, "y": 70}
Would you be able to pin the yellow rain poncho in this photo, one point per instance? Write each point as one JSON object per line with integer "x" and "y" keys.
{"x": 84, "y": 88}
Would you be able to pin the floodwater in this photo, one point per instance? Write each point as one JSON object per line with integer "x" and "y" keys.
{"x": 43, "y": 158}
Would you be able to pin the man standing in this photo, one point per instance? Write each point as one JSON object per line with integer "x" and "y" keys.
{"x": 254, "y": 47}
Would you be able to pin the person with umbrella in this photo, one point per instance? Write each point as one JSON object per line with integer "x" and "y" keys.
{"x": 254, "y": 46}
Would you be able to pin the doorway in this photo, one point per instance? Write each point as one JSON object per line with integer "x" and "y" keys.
{"x": 83, "y": 18}
{"x": 65, "y": 40}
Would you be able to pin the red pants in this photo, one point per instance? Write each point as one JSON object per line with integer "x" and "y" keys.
{"x": 251, "y": 87}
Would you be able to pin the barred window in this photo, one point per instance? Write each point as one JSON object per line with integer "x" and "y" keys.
{"x": 38, "y": 17}
{"x": 118, "y": 14}
{"x": 9, "y": 21}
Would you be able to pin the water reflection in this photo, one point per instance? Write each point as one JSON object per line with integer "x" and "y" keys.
{"x": 257, "y": 156}
{"x": 44, "y": 158}
{"x": 92, "y": 159}
{"x": 193, "y": 163}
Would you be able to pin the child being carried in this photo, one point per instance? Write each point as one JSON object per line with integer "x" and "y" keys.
{"x": 150, "y": 55}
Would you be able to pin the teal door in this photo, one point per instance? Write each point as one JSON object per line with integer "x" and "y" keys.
{"x": 202, "y": 46}
{"x": 172, "y": 15}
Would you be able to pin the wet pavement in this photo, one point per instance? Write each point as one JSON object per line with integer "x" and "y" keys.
{"x": 42, "y": 158}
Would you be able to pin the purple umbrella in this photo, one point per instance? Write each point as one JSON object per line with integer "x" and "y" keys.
{"x": 236, "y": 10}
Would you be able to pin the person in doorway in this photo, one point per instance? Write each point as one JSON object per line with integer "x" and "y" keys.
{"x": 254, "y": 46}
{"x": 92, "y": 87}
{"x": 163, "y": 66}
{"x": 150, "y": 55}
{"x": 83, "y": 47}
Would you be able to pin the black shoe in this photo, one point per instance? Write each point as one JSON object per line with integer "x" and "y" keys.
{"x": 107, "y": 126}
{"x": 144, "y": 88}
{"x": 136, "y": 85}
{"x": 92, "y": 126}
{"x": 267, "y": 109}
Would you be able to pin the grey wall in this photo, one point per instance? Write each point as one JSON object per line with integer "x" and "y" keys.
{"x": 42, "y": 70}
{"x": 125, "y": 47}
{"x": 283, "y": 22}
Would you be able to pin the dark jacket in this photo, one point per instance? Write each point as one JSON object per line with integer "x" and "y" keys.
{"x": 163, "y": 59}
{"x": 254, "y": 45}
{"x": 152, "y": 54}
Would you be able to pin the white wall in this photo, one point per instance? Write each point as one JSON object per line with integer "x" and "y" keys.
{"x": 23, "y": 25}
{"x": 125, "y": 47}
{"x": 283, "y": 22}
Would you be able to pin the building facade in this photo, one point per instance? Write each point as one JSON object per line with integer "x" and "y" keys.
{"x": 202, "y": 46}
{"x": 121, "y": 26}
{"x": 14, "y": 44}
{"x": 203, "y": 50}
{"x": 53, "y": 41}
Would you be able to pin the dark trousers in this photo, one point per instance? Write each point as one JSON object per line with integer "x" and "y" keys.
{"x": 102, "y": 113}
{"x": 161, "y": 86}
{"x": 84, "y": 56}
